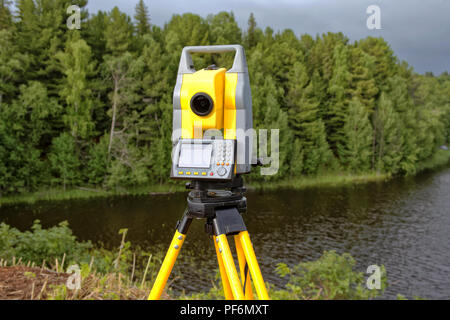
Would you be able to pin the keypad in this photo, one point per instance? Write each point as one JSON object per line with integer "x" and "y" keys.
{"x": 221, "y": 163}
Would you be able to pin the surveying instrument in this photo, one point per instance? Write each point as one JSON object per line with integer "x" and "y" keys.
{"x": 212, "y": 115}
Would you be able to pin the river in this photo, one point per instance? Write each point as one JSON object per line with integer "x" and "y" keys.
{"x": 403, "y": 224}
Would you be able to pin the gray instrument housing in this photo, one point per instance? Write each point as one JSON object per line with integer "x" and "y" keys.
{"x": 244, "y": 116}
{"x": 221, "y": 163}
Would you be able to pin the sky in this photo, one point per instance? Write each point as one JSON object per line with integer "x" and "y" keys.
{"x": 417, "y": 30}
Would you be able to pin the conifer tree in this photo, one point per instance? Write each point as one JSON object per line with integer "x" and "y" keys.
{"x": 306, "y": 122}
{"x": 118, "y": 32}
{"x": 142, "y": 18}
{"x": 336, "y": 108}
{"x": 389, "y": 140}
{"x": 5, "y": 14}
{"x": 251, "y": 35}
{"x": 13, "y": 66}
{"x": 355, "y": 150}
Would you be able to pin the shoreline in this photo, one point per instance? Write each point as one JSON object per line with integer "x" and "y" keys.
{"x": 440, "y": 159}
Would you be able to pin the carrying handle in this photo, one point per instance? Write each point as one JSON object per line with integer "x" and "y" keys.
{"x": 239, "y": 64}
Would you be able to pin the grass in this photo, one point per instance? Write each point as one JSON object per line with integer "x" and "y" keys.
{"x": 325, "y": 180}
{"x": 37, "y": 261}
{"x": 58, "y": 194}
{"x": 49, "y": 282}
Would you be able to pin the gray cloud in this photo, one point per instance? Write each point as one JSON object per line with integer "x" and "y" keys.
{"x": 418, "y": 31}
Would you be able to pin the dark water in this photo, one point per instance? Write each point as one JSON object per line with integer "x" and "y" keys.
{"x": 403, "y": 224}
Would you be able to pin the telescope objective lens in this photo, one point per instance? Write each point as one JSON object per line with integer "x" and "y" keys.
{"x": 201, "y": 104}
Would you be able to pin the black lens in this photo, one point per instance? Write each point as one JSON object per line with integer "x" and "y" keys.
{"x": 201, "y": 104}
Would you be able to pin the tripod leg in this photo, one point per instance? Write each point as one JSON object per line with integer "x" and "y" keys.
{"x": 169, "y": 260}
{"x": 230, "y": 268}
{"x": 223, "y": 274}
{"x": 250, "y": 256}
{"x": 243, "y": 268}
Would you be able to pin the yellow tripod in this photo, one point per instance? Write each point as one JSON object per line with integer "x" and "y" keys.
{"x": 222, "y": 210}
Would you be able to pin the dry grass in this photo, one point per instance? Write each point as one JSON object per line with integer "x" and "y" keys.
{"x": 26, "y": 281}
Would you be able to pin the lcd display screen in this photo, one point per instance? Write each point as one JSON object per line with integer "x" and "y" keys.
{"x": 195, "y": 155}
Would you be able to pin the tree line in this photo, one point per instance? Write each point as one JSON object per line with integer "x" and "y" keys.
{"x": 94, "y": 106}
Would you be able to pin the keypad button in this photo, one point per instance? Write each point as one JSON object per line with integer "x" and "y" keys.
{"x": 221, "y": 171}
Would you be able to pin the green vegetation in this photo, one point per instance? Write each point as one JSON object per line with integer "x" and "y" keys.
{"x": 128, "y": 273}
{"x": 92, "y": 107}
{"x": 121, "y": 273}
{"x": 329, "y": 278}
{"x": 86, "y": 193}
{"x": 322, "y": 180}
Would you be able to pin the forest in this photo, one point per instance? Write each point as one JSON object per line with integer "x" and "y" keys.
{"x": 93, "y": 107}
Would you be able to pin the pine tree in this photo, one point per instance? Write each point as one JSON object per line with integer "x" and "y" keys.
{"x": 267, "y": 98}
{"x": 389, "y": 139}
{"x": 407, "y": 124}
{"x": 13, "y": 66}
{"x": 384, "y": 60}
{"x": 118, "y": 32}
{"x": 94, "y": 34}
{"x": 355, "y": 150}
{"x": 306, "y": 122}
{"x": 363, "y": 82}
{"x": 336, "y": 108}
{"x": 251, "y": 37}
{"x": 5, "y": 14}
{"x": 142, "y": 18}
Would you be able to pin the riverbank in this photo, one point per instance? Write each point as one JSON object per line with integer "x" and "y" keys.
{"x": 330, "y": 180}
{"x": 88, "y": 193}
{"x": 34, "y": 265}
{"x": 441, "y": 158}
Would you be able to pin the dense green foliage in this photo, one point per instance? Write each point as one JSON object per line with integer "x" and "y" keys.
{"x": 93, "y": 106}
{"x": 43, "y": 247}
{"x": 40, "y": 244}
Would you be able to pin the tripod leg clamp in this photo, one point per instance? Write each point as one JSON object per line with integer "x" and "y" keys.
{"x": 228, "y": 221}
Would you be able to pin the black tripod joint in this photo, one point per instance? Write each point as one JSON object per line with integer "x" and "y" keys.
{"x": 220, "y": 203}
{"x": 227, "y": 221}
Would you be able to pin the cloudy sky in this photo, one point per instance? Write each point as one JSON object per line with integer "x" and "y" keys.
{"x": 417, "y": 30}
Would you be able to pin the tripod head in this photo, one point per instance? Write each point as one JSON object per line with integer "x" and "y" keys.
{"x": 206, "y": 197}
